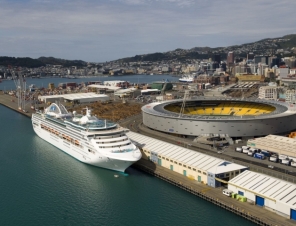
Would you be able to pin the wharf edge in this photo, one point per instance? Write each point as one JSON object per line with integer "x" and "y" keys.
{"x": 245, "y": 210}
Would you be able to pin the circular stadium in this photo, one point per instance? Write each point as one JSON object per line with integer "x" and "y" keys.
{"x": 231, "y": 117}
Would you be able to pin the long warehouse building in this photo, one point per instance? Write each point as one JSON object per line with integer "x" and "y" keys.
{"x": 192, "y": 164}
{"x": 266, "y": 191}
{"x": 278, "y": 144}
{"x": 75, "y": 97}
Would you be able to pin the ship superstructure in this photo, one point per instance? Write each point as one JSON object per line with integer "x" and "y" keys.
{"x": 85, "y": 137}
{"x": 187, "y": 78}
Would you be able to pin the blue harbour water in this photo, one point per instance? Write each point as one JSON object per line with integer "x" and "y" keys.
{"x": 41, "y": 185}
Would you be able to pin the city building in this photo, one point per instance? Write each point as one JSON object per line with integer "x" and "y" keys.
{"x": 230, "y": 58}
{"x": 270, "y": 92}
{"x": 250, "y": 56}
{"x": 290, "y": 96}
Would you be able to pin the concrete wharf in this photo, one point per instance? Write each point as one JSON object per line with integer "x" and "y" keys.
{"x": 256, "y": 214}
{"x": 247, "y": 210}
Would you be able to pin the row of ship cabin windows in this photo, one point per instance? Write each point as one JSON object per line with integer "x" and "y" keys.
{"x": 112, "y": 141}
{"x": 76, "y": 142}
{"x": 180, "y": 164}
{"x": 116, "y": 146}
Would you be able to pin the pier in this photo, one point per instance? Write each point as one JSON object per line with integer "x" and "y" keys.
{"x": 250, "y": 211}
{"x": 11, "y": 102}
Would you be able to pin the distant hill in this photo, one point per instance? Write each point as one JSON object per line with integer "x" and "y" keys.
{"x": 20, "y": 62}
{"x": 65, "y": 63}
{"x": 268, "y": 46}
{"x": 281, "y": 46}
{"x": 41, "y": 61}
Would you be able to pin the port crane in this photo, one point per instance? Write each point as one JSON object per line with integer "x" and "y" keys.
{"x": 20, "y": 84}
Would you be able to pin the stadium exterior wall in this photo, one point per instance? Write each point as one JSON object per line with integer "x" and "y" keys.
{"x": 240, "y": 127}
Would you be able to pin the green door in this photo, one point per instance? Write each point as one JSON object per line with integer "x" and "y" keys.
{"x": 184, "y": 172}
{"x": 171, "y": 167}
{"x": 199, "y": 178}
{"x": 159, "y": 162}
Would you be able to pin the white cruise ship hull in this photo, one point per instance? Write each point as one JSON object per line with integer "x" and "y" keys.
{"x": 189, "y": 80}
{"x": 82, "y": 153}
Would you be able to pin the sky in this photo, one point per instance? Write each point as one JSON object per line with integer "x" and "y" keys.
{"x": 105, "y": 30}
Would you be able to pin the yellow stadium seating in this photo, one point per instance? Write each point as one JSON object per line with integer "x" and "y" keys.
{"x": 236, "y": 109}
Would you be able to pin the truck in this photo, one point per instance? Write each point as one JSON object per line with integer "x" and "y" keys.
{"x": 266, "y": 153}
{"x": 259, "y": 156}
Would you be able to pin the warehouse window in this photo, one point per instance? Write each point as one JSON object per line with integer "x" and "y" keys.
{"x": 194, "y": 169}
{"x": 199, "y": 171}
{"x": 204, "y": 173}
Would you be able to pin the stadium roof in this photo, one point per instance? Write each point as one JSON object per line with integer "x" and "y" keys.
{"x": 266, "y": 186}
{"x": 157, "y": 108}
{"x": 183, "y": 155}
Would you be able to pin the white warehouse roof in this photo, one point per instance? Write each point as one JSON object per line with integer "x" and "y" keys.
{"x": 267, "y": 186}
{"x": 104, "y": 87}
{"x": 184, "y": 155}
{"x": 279, "y": 144}
{"x": 73, "y": 96}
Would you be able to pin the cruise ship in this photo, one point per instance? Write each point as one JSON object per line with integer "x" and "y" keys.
{"x": 85, "y": 137}
{"x": 187, "y": 78}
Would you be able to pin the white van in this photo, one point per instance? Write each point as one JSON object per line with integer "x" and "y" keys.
{"x": 293, "y": 164}
{"x": 245, "y": 151}
{"x": 227, "y": 192}
{"x": 285, "y": 162}
{"x": 273, "y": 158}
{"x": 245, "y": 147}
{"x": 238, "y": 149}
{"x": 250, "y": 153}
{"x": 253, "y": 150}
{"x": 281, "y": 157}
